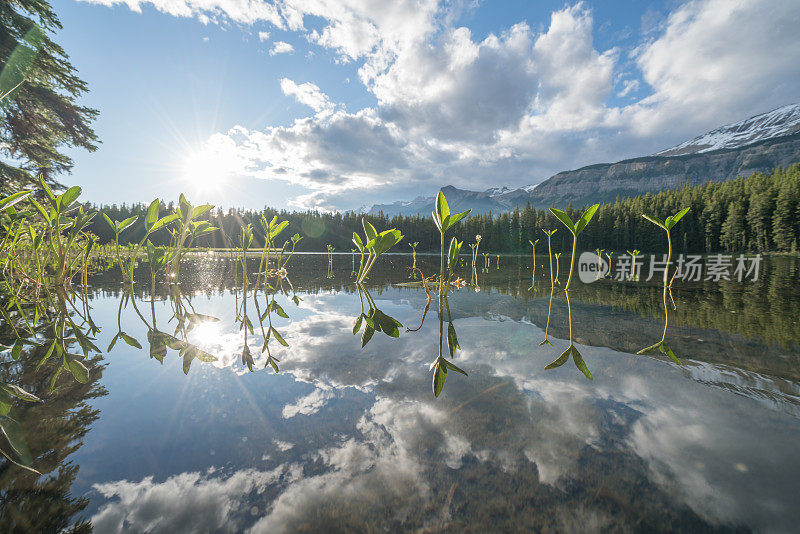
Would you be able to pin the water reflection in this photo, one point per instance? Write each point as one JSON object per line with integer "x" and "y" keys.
{"x": 348, "y": 436}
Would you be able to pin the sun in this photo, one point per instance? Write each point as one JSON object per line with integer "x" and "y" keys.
{"x": 205, "y": 171}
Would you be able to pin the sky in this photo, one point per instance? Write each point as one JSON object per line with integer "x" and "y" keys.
{"x": 337, "y": 105}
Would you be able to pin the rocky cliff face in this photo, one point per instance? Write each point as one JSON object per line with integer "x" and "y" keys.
{"x": 604, "y": 182}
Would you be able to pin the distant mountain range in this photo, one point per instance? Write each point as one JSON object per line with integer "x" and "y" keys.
{"x": 757, "y": 144}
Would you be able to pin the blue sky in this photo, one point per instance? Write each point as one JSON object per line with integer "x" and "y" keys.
{"x": 336, "y": 105}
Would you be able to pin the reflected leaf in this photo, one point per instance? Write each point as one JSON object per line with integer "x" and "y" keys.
{"x": 78, "y": 370}
{"x": 130, "y": 340}
{"x": 439, "y": 376}
{"x": 13, "y": 434}
{"x": 561, "y": 360}
{"x": 452, "y": 339}
{"x": 367, "y": 335}
{"x": 580, "y": 364}
{"x": 16, "y": 391}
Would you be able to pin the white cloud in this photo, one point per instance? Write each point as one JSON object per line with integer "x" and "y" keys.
{"x": 187, "y": 502}
{"x": 310, "y": 95}
{"x": 208, "y": 11}
{"x": 719, "y": 61}
{"x": 515, "y": 106}
{"x": 281, "y": 47}
{"x": 628, "y": 87}
{"x": 263, "y": 36}
{"x": 308, "y": 405}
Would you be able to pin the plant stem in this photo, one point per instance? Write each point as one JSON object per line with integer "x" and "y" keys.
{"x": 571, "y": 264}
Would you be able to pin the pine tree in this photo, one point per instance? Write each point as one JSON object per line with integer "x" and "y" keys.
{"x": 39, "y": 114}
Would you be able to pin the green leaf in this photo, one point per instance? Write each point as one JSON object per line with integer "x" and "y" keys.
{"x": 113, "y": 342}
{"x": 358, "y": 243}
{"x": 388, "y": 325}
{"x": 453, "y": 219}
{"x": 357, "y": 325}
{"x": 278, "y": 229}
{"x": 271, "y": 362}
{"x": 655, "y": 220}
{"x": 279, "y": 310}
{"x": 452, "y": 339}
{"x": 18, "y": 392}
{"x": 109, "y": 222}
{"x": 130, "y": 340}
{"x": 677, "y": 217}
{"x": 369, "y": 231}
{"x": 151, "y": 216}
{"x": 47, "y": 354}
{"x": 78, "y": 370}
{"x": 43, "y": 212}
{"x": 442, "y": 210}
{"x": 367, "y": 335}
{"x": 279, "y": 337}
{"x": 666, "y": 350}
{"x": 163, "y": 221}
{"x": 16, "y": 350}
{"x": 16, "y": 198}
{"x": 561, "y": 360}
{"x": 648, "y": 350}
{"x": 450, "y": 365}
{"x": 565, "y": 220}
{"x": 439, "y": 376}
{"x": 580, "y": 364}
{"x": 13, "y": 433}
{"x": 127, "y": 222}
{"x": 585, "y": 218}
{"x": 68, "y": 197}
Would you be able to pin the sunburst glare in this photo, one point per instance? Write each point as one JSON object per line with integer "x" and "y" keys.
{"x": 206, "y": 171}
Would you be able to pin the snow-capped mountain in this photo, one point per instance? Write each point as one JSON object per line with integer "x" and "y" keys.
{"x": 757, "y": 144}
{"x": 776, "y": 123}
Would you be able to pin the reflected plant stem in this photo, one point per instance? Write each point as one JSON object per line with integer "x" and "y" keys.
{"x": 571, "y": 350}
{"x": 662, "y": 345}
{"x": 427, "y": 303}
{"x": 547, "y": 326}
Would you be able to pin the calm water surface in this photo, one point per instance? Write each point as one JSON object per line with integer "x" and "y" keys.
{"x": 346, "y": 438}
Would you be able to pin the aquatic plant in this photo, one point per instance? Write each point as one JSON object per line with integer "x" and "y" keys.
{"x": 575, "y": 229}
{"x": 571, "y": 350}
{"x": 667, "y": 225}
{"x": 118, "y": 228}
{"x": 189, "y": 228}
{"x": 152, "y": 223}
{"x": 599, "y": 253}
{"x": 633, "y": 254}
{"x": 374, "y": 244}
{"x": 373, "y": 320}
{"x": 557, "y": 255}
{"x": 547, "y": 326}
{"x": 444, "y": 220}
{"x": 441, "y": 365}
{"x": 549, "y": 234}
{"x": 533, "y": 268}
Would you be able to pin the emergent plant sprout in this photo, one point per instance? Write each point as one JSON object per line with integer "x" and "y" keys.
{"x": 575, "y": 229}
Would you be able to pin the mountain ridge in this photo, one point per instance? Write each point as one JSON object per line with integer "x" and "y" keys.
{"x": 756, "y": 144}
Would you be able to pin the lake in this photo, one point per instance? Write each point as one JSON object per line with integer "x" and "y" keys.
{"x": 345, "y": 438}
